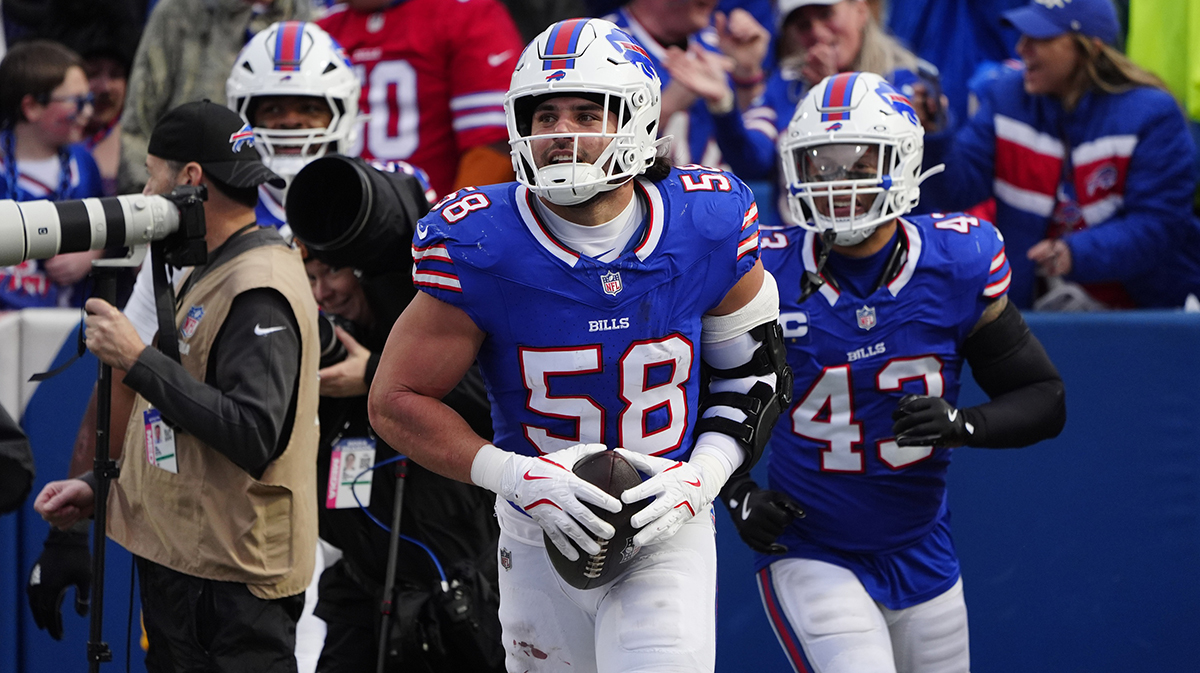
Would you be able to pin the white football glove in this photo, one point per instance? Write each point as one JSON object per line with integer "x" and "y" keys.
{"x": 547, "y": 489}
{"x": 681, "y": 491}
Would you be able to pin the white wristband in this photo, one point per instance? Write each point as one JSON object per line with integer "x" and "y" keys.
{"x": 715, "y": 463}
{"x": 488, "y": 468}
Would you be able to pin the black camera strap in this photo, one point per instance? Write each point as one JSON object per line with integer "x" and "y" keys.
{"x": 164, "y": 302}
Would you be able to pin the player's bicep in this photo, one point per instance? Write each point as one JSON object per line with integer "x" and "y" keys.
{"x": 430, "y": 348}
{"x": 990, "y": 313}
{"x": 742, "y": 292}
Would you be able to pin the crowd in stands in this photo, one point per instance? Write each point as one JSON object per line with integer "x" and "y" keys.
{"x": 732, "y": 73}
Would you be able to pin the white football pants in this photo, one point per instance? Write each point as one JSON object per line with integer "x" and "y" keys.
{"x": 659, "y": 616}
{"x": 826, "y": 623}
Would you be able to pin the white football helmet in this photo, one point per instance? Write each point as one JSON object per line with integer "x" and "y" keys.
{"x": 296, "y": 58}
{"x": 852, "y": 135}
{"x": 592, "y": 59}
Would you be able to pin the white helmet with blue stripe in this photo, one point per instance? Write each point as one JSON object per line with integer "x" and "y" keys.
{"x": 296, "y": 58}
{"x": 592, "y": 59}
{"x": 852, "y": 157}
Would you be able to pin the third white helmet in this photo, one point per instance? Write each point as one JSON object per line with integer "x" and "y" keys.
{"x": 296, "y": 58}
{"x": 852, "y": 157}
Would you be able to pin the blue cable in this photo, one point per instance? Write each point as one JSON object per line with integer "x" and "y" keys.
{"x": 433, "y": 557}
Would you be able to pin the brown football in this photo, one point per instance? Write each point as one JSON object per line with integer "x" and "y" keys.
{"x": 613, "y": 474}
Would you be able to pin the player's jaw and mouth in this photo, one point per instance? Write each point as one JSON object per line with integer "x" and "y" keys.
{"x": 842, "y": 204}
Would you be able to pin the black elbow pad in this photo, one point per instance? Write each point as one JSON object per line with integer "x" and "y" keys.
{"x": 762, "y": 404}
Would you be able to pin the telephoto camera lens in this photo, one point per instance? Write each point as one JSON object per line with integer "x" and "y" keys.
{"x": 333, "y": 350}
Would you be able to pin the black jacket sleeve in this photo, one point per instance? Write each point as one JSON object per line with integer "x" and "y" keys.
{"x": 246, "y": 405}
{"x": 16, "y": 464}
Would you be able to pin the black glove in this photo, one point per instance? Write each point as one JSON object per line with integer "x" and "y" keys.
{"x": 921, "y": 420}
{"x": 760, "y": 515}
{"x": 65, "y": 560}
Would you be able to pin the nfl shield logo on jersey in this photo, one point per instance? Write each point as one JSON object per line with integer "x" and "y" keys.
{"x": 866, "y": 317}
{"x": 612, "y": 282}
{"x": 191, "y": 322}
{"x": 505, "y": 558}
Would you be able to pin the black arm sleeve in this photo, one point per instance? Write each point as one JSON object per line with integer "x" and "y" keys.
{"x": 1028, "y": 400}
{"x": 246, "y": 405}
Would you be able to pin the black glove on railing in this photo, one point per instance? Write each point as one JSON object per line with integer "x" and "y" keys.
{"x": 65, "y": 561}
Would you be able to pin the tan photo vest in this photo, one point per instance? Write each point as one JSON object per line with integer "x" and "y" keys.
{"x": 212, "y": 519}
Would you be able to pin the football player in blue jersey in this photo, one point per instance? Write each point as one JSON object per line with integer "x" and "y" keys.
{"x": 879, "y": 312}
{"x": 590, "y": 291}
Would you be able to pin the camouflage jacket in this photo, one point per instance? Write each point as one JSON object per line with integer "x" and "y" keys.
{"x": 187, "y": 52}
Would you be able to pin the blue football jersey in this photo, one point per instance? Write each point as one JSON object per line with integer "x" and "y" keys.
{"x": 579, "y": 350}
{"x": 854, "y": 358}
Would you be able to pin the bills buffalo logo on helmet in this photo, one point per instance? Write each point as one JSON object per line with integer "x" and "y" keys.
{"x": 633, "y": 52}
{"x": 898, "y": 101}
{"x": 555, "y": 76}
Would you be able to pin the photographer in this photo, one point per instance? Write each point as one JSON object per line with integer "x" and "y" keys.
{"x": 445, "y": 601}
{"x": 220, "y": 513}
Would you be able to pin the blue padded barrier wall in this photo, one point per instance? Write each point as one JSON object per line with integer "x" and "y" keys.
{"x": 1079, "y": 554}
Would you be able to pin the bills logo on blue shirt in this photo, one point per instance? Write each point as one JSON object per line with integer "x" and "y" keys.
{"x": 611, "y": 282}
{"x": 194, "y": 315}
{"x": 1103, "y": 178}
{"x": 898, "y": 101}
{"x": 243, "y": 136}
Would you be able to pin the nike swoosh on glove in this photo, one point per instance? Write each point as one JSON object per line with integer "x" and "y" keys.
{"x": 760, "y": 515}
{"x": 921, "y": 420}
{"x": 681, "y": 491}
{"x": 65, "y": 561}
{"x": 547, "y": 489}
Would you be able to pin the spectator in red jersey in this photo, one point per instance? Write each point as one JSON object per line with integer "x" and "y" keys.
{"x": 434, "y": 76}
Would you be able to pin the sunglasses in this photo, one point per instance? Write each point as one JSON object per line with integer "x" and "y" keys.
{"x": 81, "y": 101}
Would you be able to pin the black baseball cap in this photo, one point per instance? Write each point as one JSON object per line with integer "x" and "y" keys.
{"x": 215, "y": 137}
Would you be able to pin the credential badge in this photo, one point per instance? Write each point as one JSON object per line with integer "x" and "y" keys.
{"x": 194, "y": 315}
{"x": 611, "y": 282}
{"x": 866, "y": 317}
{"x": 505, "y": 559}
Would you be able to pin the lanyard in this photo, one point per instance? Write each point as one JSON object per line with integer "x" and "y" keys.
{"x": 10, "y": 169}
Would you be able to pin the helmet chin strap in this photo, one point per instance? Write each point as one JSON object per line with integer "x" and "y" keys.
{"x": 812, "y": 281}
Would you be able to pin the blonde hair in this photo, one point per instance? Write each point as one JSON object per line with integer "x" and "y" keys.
{"x": 879, "y": 52}
{"x": 1105, "y": 68}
